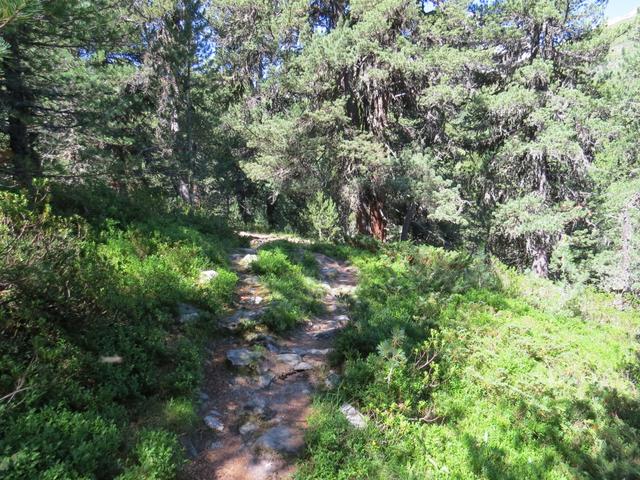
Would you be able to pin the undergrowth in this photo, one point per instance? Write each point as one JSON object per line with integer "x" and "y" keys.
{"x": 467, "y": 370}
{"x": 96, "y": 374}
{"x": 290, "y": 274}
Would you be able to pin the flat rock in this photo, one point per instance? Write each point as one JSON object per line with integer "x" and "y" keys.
{"x": 281, "y": 439}
{"x": 353, "y": 416}
{"x": 187, "y": 313}
{"x": 291, "y": 359}
{"x": 302, "y": 366}
{"x": 242, "y": 357}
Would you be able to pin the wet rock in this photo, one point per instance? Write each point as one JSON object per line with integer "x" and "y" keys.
{"x": 246, "y": 251}
{"x": 203, "y": 397}
{"x": 281, "y": 439}
{"x": 312, "y": 351}
{"x": 353, "y": 416}
{"x": 206, "y": 276}
{"x": 242, "y": 357}
{"x": 341, "y": 318}
{"x": 187, "y": 313}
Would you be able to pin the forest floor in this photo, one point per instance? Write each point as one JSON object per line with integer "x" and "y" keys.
{"x": 258, "y": 386}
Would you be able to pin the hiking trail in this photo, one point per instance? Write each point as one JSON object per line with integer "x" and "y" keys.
{"x": 258, "y": 387}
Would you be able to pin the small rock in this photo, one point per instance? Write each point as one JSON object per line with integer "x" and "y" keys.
{"x": 242, "y": 357}
{"x": 302, "y": 366}
{"x": 265, "y": 379}
{"x": 188, "y": 445}
{"x": 257, "y": 405}
{"x": 213, "y": 422}
{"x": 246, "y": 251}
{"x": 341, "y": 318}
{"x": 332, "y": 380}
{"x": 242, "y": 261}
{"x": 353, "y": 416}
{"x": 203, "y": 397}
{"x": 206, "y": 276}
{"x": 289, "y": 358}
{"x": 235, "y": 321}
{"x": 257, "y": 300}
{"x": 281, "y": 439}
{"x": 327, "y": 334}
{"x": 187, "y": 313}
{"x": 214, "y": 445}
{"x": 248, "y": 428}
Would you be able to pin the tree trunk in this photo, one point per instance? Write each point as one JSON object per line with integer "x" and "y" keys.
{"x": 271, "y": 211}
{"x": 408, "y": 219}
{"x": 539, "y": 252}
{"x": 19, "y": 99}
{"x": 370, "y": 217}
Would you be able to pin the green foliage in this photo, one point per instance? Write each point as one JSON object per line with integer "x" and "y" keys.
{"x": 158, "y": 455}
{"x": 90, "y": 306}
{"x": 469, "y": 370}
{"x": 288, "y": 272}
{"x": 324, "y": 218}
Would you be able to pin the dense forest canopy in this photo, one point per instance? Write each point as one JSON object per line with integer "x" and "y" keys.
{"x": 504, "y": 126}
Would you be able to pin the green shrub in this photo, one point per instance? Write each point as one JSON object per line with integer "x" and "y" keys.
{"x": 288, "y": 274}
{"x": 57, "y": 443}
{"x": 159, "y": 457}
{"x": 78, "y": 292}
{"x": 324, "y": 217}
{"x": 467, "y": 370}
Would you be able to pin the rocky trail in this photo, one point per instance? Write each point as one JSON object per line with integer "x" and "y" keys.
{"x": 258, "y": 387}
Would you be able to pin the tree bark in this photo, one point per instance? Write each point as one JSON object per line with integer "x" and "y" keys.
{"x": 540, "y": 254}
{"x": 370, "y": 217}
{"x": 408, "y": 219}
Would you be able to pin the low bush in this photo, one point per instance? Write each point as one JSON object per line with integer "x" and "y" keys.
{"x": 90, "y": 337}
{"x": 466, "y": 369}
{"x": 288, "y": 272}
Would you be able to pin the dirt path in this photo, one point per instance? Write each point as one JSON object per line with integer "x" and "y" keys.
{"x": 258, "y": 387}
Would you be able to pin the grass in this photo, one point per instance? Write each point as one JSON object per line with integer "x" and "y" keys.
{"x": 290, "y": 274}
{"x": 527, "y": 378}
